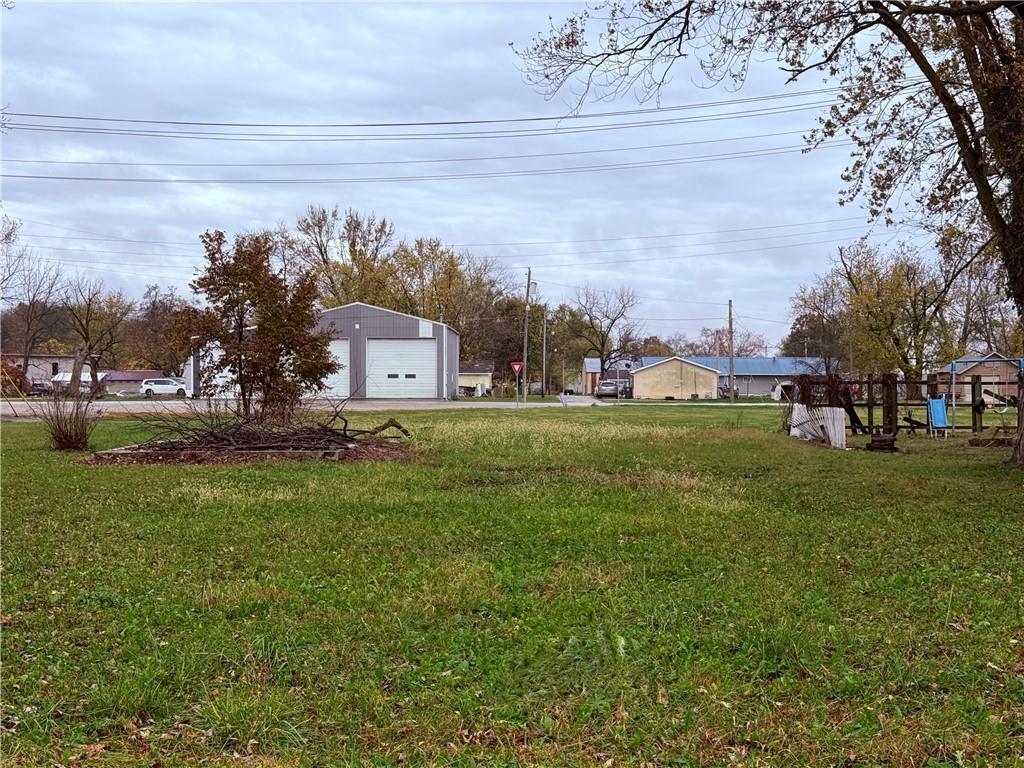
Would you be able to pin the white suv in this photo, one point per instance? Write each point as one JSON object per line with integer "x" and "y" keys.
{"x": 150, "y": 387}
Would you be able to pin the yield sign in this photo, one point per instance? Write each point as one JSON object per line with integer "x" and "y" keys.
{"x": 517, "y": 368}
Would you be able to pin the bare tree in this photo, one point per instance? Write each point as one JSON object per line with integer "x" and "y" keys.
{"x": 931, "y": 93}
{"x": 35, "y": 301}
{"x": 98, "y": 320}
{"x": 600, "y": 319}
{"x": 13, "y": 258}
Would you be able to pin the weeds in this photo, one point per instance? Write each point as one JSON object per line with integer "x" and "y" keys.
{"x": 70, "y": 420}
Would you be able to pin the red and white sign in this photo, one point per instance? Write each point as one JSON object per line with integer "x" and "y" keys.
{"x": 517, "y": 368}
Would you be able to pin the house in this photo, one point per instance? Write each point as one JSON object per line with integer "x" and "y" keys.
{"x": 382, "y": 354}
{"x": 63, "y": 379}
{"x": 43, "y": 367}
{"x": 476, "y": 378}
{"x": 992, "y": 367}
{"x": 620, "y": 374}
{"x": 129, "y": 381}
{"x": 674, "y": 378}
{"x": 752, "y": 375}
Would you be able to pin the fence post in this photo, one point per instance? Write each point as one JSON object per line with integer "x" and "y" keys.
{"x": 976, "y": 413}
{"x": 889, "y": 400}
{"x": 871, "y": 403}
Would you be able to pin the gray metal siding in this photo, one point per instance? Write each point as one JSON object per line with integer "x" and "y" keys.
{"x": 376, "y": 323}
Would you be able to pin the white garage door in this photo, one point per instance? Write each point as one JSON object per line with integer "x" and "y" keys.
{"x": 401, "y": 368}
{"x": 337, "y": 383}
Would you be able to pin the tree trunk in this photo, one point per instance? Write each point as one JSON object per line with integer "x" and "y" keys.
{"x": 76, "y": 370}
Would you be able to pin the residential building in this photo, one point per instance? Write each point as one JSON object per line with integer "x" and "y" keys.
{"x": 992, "y": 368}
{"x": 476, "y": 378}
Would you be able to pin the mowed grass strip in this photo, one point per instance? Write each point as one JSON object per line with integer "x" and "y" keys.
{"x": 667, "y": 585}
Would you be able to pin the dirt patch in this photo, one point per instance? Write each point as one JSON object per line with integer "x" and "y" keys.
{"x": 363, "y": 450}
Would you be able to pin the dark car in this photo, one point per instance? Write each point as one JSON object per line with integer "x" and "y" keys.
{"x": 606, "y": 389}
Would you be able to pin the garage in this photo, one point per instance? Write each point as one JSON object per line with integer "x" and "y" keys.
{"x": 401, "y": 367}
{"x": 337, "y": 384}
{"x": 390, "y": 354}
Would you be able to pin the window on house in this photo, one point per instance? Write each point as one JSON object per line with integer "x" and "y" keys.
{"x": 53, "y": 369}
{"x": 392, "y": 375}
{"x": 410, "y": 375}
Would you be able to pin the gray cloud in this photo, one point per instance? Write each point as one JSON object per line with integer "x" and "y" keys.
{"x": 388, "y": 63}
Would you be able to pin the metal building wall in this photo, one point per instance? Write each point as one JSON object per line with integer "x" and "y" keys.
{"x": 359, "y": 322}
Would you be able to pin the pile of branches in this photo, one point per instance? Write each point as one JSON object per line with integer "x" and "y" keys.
{"x": 219, "y": 426}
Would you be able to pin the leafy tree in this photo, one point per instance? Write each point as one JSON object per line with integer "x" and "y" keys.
{"x": 895, "y": 305}
{"x": 652, "y": 346}
{"x": 256, "y": 331}
{"x": 931, "y": 93}
{"x": 158, "y": 332}
{"x": 98, "y": 320}
{"x": 819, "y": 323}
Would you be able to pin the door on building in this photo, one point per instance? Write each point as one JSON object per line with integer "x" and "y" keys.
{"x": 337, "y": 384}
{"x": 401, "y": 367}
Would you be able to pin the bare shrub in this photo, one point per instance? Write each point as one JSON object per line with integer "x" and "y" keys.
{"x": 70, "y": 420}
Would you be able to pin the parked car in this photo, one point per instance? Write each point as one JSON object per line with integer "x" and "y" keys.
{"x": 606, "y": 389}
{"x": 40, "y": 389}
{"x": 151, "y": 387}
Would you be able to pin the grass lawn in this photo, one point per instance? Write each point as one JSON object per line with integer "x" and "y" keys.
{"x": 602, "y": 586}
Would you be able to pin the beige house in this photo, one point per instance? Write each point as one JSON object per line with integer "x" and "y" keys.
{"x": 675, "y": 378}
{"x": 998, "y": 374}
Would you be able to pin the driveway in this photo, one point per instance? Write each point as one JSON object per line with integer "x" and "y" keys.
{"x": 19, "y": 409}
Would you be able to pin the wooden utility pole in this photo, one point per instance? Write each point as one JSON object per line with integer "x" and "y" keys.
{"x": 526, "y": 332}
{"x": 732, "y": 359}
{"x": 544, "y": 355}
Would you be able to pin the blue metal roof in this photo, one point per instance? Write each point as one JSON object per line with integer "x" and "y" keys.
{"x": 751, "y": 366}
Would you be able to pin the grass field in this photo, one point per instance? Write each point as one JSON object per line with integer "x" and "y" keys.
{"x": 662, "y": 585}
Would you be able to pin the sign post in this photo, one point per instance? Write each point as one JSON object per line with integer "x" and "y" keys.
{"x": 517, "y": 368}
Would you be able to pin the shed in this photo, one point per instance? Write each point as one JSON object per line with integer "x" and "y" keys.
{"x": 389, "y": 354}
{"x": 675, "y": 378}
{"x": 476, "y": 377}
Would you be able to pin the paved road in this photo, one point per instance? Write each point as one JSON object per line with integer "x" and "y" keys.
{"x": 22, "y": 410}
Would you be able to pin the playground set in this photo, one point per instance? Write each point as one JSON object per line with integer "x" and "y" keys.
{"x": 899, "y": 402}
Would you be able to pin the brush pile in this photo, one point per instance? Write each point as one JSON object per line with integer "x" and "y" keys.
{"x": 217, "y": 433}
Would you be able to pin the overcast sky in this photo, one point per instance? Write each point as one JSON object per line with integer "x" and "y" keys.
{"x": 750, "y": 228}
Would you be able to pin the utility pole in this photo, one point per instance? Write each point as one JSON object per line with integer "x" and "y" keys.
{"x": 544, "y": 355}
{"x": 732, "y": 359}
{"x": 526, "y": 331}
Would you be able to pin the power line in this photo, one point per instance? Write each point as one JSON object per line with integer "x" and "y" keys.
{"x": 112, "y": 238}
{"x": 654, "y": 237}
{"x": 135, "y": 164}
{"x": 688, "y": 256}
{"x": 644, "y": 249}
{"x": 442, "y": 177}
{"x": 490, "y": 121}
{"x": 437, "y": 136}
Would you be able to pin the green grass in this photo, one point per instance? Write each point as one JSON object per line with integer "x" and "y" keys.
{"x": 656, "y": 585}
